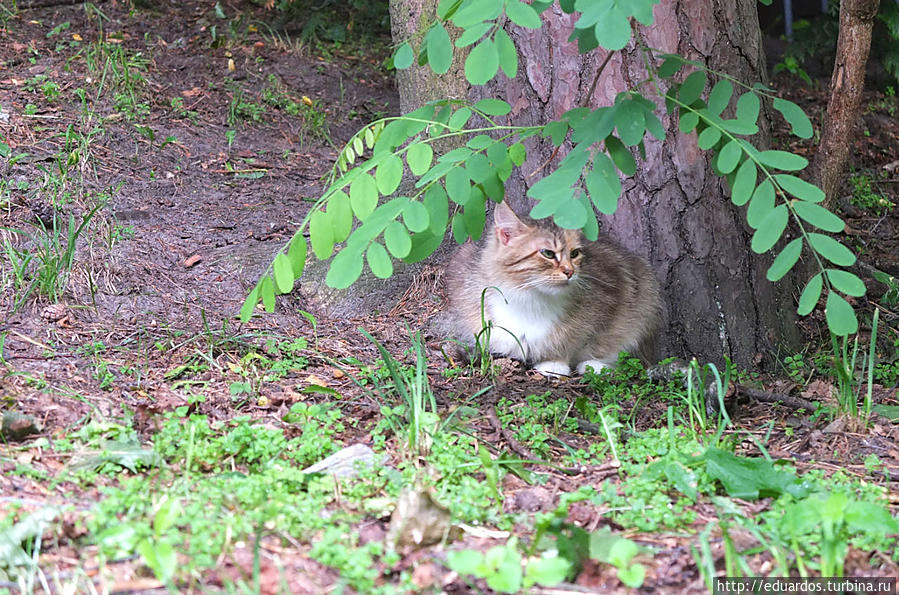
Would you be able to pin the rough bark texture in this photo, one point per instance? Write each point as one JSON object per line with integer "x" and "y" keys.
{"x": 846, "y": 84}
{"x": 674, "y": 211}
{"x": 409, "y": 20}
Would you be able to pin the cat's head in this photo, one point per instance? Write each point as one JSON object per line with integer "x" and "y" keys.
{"x": 532, "y": 256}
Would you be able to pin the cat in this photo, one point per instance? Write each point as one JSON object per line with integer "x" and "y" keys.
{"x": 556, "y": 300}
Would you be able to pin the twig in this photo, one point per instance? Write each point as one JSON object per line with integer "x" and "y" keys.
{"x": 519, "y": 449}
{"x": 596, "y": 78}
{"x": 769, "y": 397}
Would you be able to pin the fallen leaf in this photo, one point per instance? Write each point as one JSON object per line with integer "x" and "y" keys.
{"x": 192, "y": 260}
{"x": 192, "y": 92}
{"x": 313, "y": 379}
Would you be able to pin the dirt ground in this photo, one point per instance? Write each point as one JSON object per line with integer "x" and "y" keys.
{"x": 192, "y": 216}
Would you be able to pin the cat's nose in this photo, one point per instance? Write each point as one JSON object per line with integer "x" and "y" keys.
{"x": 567, "y": 271}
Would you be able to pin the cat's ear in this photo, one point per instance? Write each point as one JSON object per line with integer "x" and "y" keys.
{"x": 506, "y": 223}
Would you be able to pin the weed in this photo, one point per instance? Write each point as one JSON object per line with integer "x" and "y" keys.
{"x": 420, "y": 407}
{"x": 241, "y": 108}
{"x": 866, "y": 198}
{"x": 45, "y": 264}
{"x": 791, "y": 64}
{"x": 177, "y": 105}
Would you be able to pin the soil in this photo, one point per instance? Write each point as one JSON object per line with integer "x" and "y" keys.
{"x": 189, "y": 218}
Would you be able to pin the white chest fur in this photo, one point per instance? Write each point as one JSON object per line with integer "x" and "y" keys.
{"x": 530, "y": 317}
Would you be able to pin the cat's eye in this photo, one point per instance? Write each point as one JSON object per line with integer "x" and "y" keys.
{"x": 547, "y": 253}
{"x": 575, "y": 253}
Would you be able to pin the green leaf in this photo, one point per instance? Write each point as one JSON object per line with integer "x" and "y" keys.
{"x": 572, "y": 216}
{"x": 792, "y": 113}
{"x": 782, "y": 160}
{"x": 841, "y": 319}
{"x": 493, "y": 107}
{"x": 720, "y": 96}
{"x": 621, "y": 156}
{"x": 458, "y": 185}
{"x": 603, "y": 184}
{"x": 440, "y": 48}
{"x": 416, "y": 217}
{"x": 809, "y": 297}
{"x": 831, "y": 249}
{"x": 687, "y": 122}
{"x": 389, "y": 174}
{"x": 517, "y": 153}
{"x": 632, "y": 576}
{"x": 818, "y": 216}
{"x": 475, "y": 214}
{"x": 547, "y": 571}
{"x": 692, "y": 87}
{"x": 345, "y": 268}
{"x": 744, "y": 183}
{"x": 459, "y": 118}
{"x": 321, "y": 235}
{"x": 751, "y": 478}
{"x": 482, "y": 63}
{"x": 523, "y": 15}
{"x": 397, "y": 239}
{"x": 671, "y": 66}
{"x": 708, "y": 138}
{"x": 436, "y": 203}
{"x": 267, "y": 292}
{"x": 419, "y": 157}
{"x": 613, "y": 30}
{"x": 460, "y": 233}
{"x": 341, "y": 215}
{"x": 630, "y": 122}
{"x": 363, "y": 196}
{"x": 249, "y": 304}
{"x": 748, "y": 106}
{"x": 283, "y": 273}
{"x": 506, "y": 52}
{"x": 729, "y": 157}
{"x": 296, "y": 253}
{"x": 799, "y": 187}
{"x": 770, "y": 230}
{"x": 403, "y": 57}
{"x": 379, "y": 261}
{"x": 761, "y": 204}
{"x": 654, "y": 125}
{"x": 785, "y": 261}
{"x": 473, "y": 34}
{"x": 846, "y": 282}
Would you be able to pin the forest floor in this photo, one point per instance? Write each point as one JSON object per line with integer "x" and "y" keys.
{"x": 151, "y": 165}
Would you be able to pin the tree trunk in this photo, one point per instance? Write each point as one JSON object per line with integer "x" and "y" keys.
{"x": 417, "y": 85}
{"x": 674, "y": 211}
{"x": 846, "y": 85}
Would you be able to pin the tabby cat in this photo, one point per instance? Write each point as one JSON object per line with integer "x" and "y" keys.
{"x": 555, "y": 299}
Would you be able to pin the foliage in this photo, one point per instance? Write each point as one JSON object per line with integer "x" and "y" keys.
{"x": 817, "y": 38}
{"x": 506, "y": 571}
{"x": 411, "y": 227}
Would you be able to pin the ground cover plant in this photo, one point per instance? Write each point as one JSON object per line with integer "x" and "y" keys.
{"x": 151, "y": 441}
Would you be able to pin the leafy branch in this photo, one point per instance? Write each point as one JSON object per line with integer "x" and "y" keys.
{"x": 588, "y": 178}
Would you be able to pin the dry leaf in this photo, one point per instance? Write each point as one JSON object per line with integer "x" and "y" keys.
{"x": 192, "y": 260}
{"x": 313, "y": 379}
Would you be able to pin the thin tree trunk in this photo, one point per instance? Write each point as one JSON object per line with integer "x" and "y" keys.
{"x": 846, "y": 85}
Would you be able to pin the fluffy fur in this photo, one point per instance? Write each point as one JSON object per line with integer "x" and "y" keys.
{"x": 556, "y": 300}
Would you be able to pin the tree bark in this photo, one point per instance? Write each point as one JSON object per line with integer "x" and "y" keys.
{"x": 846, "y": 85}
{"x": 674, "y": 211}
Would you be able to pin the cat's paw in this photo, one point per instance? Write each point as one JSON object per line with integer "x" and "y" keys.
{"x": 553, "y": 369}
{"x": 596, "y": 364}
